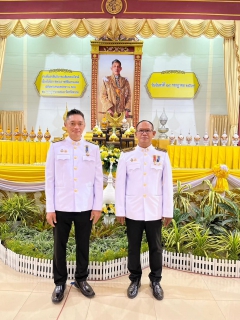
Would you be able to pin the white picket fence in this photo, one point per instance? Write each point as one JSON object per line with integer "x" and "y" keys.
{"x": 116, "y": 268}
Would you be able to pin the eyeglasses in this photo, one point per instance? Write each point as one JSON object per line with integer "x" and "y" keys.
{"x": 73, "y": 124}
{"x": 144, "y": 131}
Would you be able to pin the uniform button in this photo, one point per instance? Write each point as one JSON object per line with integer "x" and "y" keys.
{"x": 144, "y": 196}
{"x": 75, "y": 157}
{"x": 145, "y": 154}
{"x": 75, "y": 190}
{"x": 75, "y": 168}
{"x": 144, "y": 184}
{"x": 145, "y": 163}
{"x": 75, "y": 179}
{"x": 144, "y": 174}
{"x": 75, "y": 147}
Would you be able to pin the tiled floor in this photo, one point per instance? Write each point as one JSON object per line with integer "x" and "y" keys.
{"x": 187, "y": 296}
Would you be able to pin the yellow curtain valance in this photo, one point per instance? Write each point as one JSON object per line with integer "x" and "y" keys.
{"x": 113, "y": 27}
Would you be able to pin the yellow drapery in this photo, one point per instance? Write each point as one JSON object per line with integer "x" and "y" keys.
{"x": 22, "y": 152}
{"x": 11, "y": 119}
{"x": 33, "y": 174}
{"x": 2, "y": 52}
{"x": 113, "y": 27}
{"x": 24, "y": 173}
{"x": 201, "y": 157}
{"x": 231, "y": 84}
{"x": 218, "y": 123}
{"x": 237, "y": 45}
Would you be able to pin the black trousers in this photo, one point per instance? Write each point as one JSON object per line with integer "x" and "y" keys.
{"x": 153, "y": 231}
{"x": 61, "y": 231}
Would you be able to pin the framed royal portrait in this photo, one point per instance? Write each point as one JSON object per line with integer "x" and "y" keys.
{"x": 129, "y": 53}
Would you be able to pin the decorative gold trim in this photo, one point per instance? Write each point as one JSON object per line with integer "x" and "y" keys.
{"x": 186, "y": 13}
{"x": 133, "y": 48}
{"x": 94, "y": 89}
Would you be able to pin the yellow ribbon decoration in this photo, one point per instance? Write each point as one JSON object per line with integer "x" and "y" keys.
{"x": 221, "y": 172}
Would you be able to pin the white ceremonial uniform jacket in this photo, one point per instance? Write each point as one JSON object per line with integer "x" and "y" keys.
{"x": 144, "y": 188}
{"x": 74, "y": 178}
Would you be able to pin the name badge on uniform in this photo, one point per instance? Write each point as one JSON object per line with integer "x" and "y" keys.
{"x": 133, "y": 159}
{"x": 87, "y": 150}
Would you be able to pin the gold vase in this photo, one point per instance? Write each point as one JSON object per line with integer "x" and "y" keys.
{"x": 47, "y": 135}
{"x": 17, "y": 134}
{"x": 8, "y": 134}
{"x": 1, "y": 133}
{"x": 24, "y": 134}
{"x": 32, "y": 135}
{"x": 39, "y": 135}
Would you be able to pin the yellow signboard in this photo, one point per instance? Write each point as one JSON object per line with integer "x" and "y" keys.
{"x": 172, "y": 84}
{"x": 60, "y": 83}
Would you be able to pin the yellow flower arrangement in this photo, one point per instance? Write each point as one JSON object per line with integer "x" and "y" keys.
{"x": 108, "y": 156}
{"x": 221, "y": 172}
{"x": 108, "y": 209}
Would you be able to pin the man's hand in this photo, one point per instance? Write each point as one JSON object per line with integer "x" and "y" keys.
{"x": 51, "y": 218}
{"x": 121, "y": 220}
{"x": 166, "y": 221}
{"x": 95, "y": 215}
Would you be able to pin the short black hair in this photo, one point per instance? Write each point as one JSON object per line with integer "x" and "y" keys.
{"x": 74, "y": 111}
{"x": 145, "y": 121}
{"x": 117, "y": 61}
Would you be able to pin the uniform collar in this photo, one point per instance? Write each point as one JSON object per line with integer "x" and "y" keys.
{"x": 144, "y": 149}
{"x": 74, "y": 143}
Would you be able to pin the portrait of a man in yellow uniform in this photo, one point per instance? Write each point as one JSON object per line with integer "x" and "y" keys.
{"x": 115, "y": 92}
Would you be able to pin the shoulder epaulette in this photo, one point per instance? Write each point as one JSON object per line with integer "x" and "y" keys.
{"x": 160, "y": 149}
{"x": 58, "y": 140}
{"x": 93, "y": 142}
{"x": 128, "y": 149}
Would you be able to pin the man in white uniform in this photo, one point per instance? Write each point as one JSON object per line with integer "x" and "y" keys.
{"x": 144, "y": 198}
{"x": 74, "y": 191}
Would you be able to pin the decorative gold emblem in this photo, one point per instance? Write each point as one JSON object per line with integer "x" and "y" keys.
{"x": 114, "y": 6}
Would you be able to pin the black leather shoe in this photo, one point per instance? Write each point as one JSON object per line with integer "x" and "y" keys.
{"x": 157, "y": 290}
{"x": 132, "y": 290}
{"x": 85, "y": 288}
{"x": 58, "y": 293}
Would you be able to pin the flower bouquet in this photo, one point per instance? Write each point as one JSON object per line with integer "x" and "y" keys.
{"x": 108, "y": 210}
{"x": 109, "y": 156}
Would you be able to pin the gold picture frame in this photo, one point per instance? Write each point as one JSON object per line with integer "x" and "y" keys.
{"x": 112, "y": 50}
